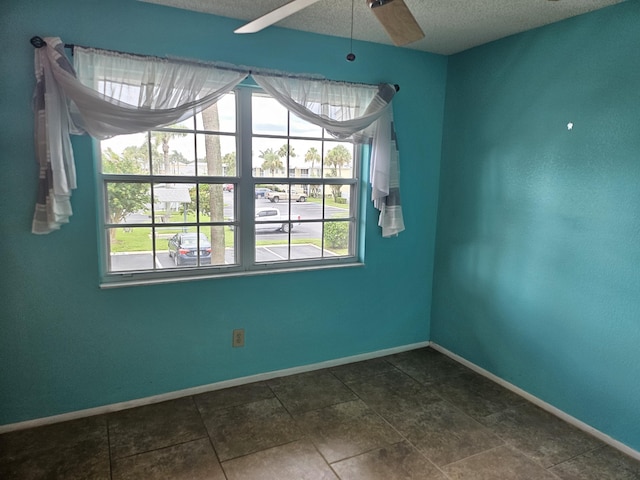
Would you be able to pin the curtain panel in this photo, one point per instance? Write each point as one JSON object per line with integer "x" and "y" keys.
{"x": 110, "y": 93}
{"x": 361, "y": 113}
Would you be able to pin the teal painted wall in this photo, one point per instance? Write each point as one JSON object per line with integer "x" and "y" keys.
{"x": 537, "y": 275}
{"x": 66, "y": 345}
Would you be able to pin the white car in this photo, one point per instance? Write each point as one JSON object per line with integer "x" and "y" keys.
{"x": 273, "y": 215}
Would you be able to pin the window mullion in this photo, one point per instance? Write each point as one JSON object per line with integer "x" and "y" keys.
{"x": 246, "y": 187}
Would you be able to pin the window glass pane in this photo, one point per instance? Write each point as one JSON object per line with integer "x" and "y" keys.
{"x": 337, "y": 238}
{"x": 337, "y": 199}
{"x": 316, "y": 193}
{"x": 271, "y": 220}
{"x": 272, "y": 244}
{"x": 190, "y": 247}
{"x": 338, "y": 160}
{"x": 125, "y": 154}
{"x": 172, "y": 152}
{"x": 299, "y": 193}
{"x": 302, "y": 128}
{"x": 278, "y": 193}
{"x": 219, "y": 117}
{"x": 303, "y": 205}
{"x": 216, "y": 155}
{"x": 130, "y": 249}
{"x": 306, "y": 241}
{"x": 128, "y": 202}
{"x": 268, "y": 116}
{"x": 307, "y": 162}
{"x": 269, "y": 157}
{"x": 172, "y": 203}
{"x": 223, "y": 244}
{"x": 260, "y": 192}
{"x": 216, "y": 202}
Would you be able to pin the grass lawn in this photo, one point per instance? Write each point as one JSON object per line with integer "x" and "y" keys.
{"x": 329, "y": 201}
{"x": 138, "y": 239}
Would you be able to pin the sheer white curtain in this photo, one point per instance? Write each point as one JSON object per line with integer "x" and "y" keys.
{"x": 361, "y": 113}
{"x": 108, "y": 93}
{"x": 112, "y": 94}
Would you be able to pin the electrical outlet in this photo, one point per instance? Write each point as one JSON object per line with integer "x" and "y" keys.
{"x": 238, "y": 337}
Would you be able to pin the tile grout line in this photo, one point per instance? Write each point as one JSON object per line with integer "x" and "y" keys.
{"x": 403, "y": 437}
{"x": 204, "y": 425}
{"x": 106, "y": 421}
{"x": 578, "y": 455}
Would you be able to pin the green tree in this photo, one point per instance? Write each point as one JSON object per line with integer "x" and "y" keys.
{"x": 176, "y": 159}
{"x": 124, "y": 198}
{"x": 204, "y": 195}
{"x": 335, "y": 159}
{"x": 285, "y": 151}
{"x": 272, "y": 161}
{"x": 139, "y": 155}
{"x": 229, "y": 160}
{"x": 312, "y": 156}
{"x": 161, "y": 140}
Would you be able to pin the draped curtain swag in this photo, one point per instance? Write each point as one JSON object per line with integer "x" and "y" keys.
{"x": 108, "y": 93}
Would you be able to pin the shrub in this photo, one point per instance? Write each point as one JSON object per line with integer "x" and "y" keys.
{"x": 336, "y": 234}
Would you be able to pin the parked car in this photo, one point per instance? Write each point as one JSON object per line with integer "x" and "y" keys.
{"x": 261, "y": 192}
{"x": 183, "y": 248}
{"x": 297, "y": 195}
{"x": 228, "y": 187}
{"x": 273, "y": 214}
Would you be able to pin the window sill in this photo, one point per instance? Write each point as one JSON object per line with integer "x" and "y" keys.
{"x": 122, "y": 282}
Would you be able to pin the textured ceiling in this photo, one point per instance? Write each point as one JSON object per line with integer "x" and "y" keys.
{"x": 450, "y": 25}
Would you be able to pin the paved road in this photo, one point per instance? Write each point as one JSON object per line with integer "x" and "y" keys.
{"x": 146, "y": 260}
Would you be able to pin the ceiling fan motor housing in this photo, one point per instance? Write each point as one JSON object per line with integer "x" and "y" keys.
{"x": 378, "y": 3}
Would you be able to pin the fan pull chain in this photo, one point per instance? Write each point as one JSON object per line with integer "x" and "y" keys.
{"x": 351, "y": 56}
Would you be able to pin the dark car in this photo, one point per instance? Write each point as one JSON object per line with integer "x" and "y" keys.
{"x": 183, "y": 248}
{"x": 261, "y": 192}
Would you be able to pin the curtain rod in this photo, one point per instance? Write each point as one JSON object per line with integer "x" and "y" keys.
{"x": 38, "y": 42}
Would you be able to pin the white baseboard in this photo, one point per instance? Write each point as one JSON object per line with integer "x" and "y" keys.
{"x": 115, "y": 407}
{"x": 541, "y": 403}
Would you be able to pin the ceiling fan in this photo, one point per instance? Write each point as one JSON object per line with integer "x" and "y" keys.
{"x": 394, "y": 15}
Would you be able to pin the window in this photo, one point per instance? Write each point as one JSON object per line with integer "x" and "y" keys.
{"x": 243, "y": 187}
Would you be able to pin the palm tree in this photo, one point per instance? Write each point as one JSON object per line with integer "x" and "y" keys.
{"x": 175, "y": 159}
{"x": 337, "y": 158}
{"x": 161, "y": 140}
{"x": 272, "y": 161}
{"x": 213, "y": 153}
{"x": 312, "y": 156}
{"x": 286, "y": 150}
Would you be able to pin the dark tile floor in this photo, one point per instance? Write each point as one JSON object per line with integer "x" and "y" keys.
{"x": 414, "y": 415}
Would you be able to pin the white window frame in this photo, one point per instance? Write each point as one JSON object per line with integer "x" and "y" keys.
{"x": 244, "y": 215}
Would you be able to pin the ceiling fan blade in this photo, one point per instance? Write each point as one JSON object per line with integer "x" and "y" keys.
{"x": 275, "y": 16}
{"x": 397, "y": 20}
